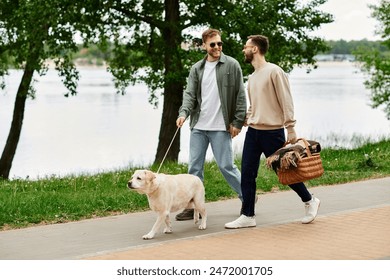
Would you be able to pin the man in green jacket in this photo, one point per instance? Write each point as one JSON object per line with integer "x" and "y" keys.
{"x": 216, "y": 103}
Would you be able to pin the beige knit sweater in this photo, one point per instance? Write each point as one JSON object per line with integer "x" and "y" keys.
{"x": 270, "y": 101}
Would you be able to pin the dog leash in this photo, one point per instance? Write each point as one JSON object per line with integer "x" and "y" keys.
{"x": 169, "y": 147}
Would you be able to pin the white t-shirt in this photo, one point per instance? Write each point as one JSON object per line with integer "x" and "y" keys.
{"x": 210, "y": 117}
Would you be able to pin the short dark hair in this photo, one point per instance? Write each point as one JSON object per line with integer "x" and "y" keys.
{"x": 210, "y": 33}
{"x": 261, "y": 42}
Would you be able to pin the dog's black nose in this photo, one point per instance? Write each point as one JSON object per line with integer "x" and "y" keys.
{"x": 129, "y": 184}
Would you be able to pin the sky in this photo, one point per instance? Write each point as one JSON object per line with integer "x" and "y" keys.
{"x": 352, "y": 20}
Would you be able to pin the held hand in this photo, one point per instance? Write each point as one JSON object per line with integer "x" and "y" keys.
{"x": 234, "y": 131}
{"x": 180, "y": 121}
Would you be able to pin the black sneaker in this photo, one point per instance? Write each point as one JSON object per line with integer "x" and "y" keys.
{"x": 187, "y": 214}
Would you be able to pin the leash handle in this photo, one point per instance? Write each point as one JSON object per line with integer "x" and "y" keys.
{"x": 169, "y": 147}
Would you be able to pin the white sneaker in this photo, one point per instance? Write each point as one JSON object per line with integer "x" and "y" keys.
{"x": 242, "y": 222}
{"x": 311, "y": 210}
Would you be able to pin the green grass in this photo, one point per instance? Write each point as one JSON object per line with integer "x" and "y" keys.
{"x": 57, "y": 200}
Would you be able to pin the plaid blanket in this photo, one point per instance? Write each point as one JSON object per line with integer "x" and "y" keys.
{"x": 289, "y": 155}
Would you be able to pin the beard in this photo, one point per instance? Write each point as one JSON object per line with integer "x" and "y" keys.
{"x": 216, "y": 54}
{"x": 248, "y": 58}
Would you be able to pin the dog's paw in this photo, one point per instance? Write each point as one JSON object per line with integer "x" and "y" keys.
{"x": 202, "y": 227}
{"x": 148, "y": 236}
{"x": 168, "y": 230}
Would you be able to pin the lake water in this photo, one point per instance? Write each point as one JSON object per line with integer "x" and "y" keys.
{"x": 100, "y": 130}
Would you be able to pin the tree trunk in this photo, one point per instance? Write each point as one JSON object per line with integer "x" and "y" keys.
{"x": 173, "y": 85}
{"x": 16, "y": 125}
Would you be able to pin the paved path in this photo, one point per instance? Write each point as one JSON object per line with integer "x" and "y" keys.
{"x": 353, "y": 223}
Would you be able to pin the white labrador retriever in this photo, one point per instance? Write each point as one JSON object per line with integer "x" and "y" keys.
{"x": 170, "y": 193}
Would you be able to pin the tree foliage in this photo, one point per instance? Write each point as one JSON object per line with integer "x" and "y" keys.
{"x": 375, "y": 63}
{"x": 286, "y": 22}
{"x": 153, "y": 41}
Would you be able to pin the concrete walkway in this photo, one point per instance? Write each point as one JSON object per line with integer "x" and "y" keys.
{"x": 353, "y": 223}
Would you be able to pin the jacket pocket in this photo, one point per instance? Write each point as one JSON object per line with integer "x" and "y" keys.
{"x": 227, "y": 80}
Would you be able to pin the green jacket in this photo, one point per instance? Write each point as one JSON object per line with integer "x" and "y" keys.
{"x": 230, "y": 87}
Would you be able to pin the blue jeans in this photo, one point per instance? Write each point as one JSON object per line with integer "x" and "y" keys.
{"x": 258, "y": 142}
{"x": 221, "y": 145}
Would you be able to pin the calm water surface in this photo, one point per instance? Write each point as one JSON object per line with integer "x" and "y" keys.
{"x": 100, "y": 130}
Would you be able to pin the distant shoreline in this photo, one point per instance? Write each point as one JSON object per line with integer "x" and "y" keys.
{"x": 85, "y": 65}
{"x": 80, "y": 64}
{"x": 319, "y": 64}
{"x": 337, "y": 63}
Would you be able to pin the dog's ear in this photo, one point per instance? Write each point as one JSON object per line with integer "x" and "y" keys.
{"x": 149, "y": 175}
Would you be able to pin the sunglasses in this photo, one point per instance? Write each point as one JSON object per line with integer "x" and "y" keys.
{"x": 218, "y": 43}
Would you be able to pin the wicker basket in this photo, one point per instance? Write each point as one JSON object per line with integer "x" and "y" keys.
{"x": 308, "y": 168}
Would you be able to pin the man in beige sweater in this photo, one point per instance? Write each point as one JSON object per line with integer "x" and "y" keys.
{"x": 271, "y": 111}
